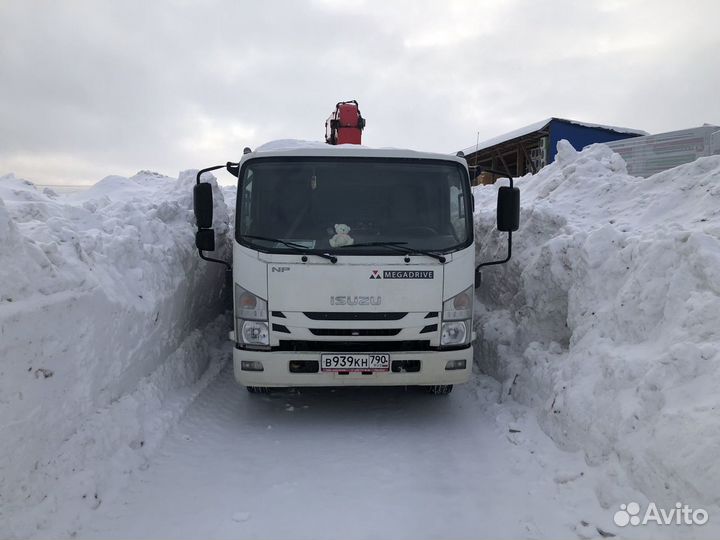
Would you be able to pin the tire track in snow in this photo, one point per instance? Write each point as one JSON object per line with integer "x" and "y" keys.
{"x": 356, "y": 463}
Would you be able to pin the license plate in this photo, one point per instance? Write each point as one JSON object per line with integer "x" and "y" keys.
{"x": 355, "y": 362}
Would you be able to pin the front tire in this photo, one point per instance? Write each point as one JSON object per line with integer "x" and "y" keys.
{"x": 440, "y": 389}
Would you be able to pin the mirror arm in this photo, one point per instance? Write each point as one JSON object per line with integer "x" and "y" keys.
{"x": 228, "y": 272}
{"x": 478, "y": 274}
{"x": 494, "y": 171}
{"x": 503, "y": 261}
{"x": 210, "y": 259}
{"x": 215, "y": 168}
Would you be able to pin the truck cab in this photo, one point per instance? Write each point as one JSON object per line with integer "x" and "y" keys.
{"x": 352, "y": 266}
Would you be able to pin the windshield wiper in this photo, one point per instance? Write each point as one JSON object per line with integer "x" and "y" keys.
{"x": 299, "y": 248}
{"x": 401, "y": 248}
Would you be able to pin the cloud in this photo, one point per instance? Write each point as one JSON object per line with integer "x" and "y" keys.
{"x": 101, "y": 87}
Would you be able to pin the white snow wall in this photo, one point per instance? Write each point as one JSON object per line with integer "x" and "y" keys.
{"x": 607, "y": 318}
{"x": 97, "y": 290}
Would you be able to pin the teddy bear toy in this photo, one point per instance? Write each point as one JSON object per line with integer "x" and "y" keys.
{"x": 341, "y": 237}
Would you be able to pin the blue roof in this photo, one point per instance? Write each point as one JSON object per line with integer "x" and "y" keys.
{"x": 537, "y": 126}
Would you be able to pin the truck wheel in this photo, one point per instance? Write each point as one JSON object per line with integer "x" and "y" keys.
{"x": 440, "y": 389}
{"x": 258, "y": 389}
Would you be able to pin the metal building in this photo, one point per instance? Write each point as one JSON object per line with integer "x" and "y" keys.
{"x": 651, "y": 154}
{"x": 530, "y": 148}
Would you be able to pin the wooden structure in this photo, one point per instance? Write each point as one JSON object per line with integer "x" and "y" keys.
{"x": 528, "y": 149}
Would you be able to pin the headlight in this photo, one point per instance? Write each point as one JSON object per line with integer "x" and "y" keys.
{"x": 457, "y": 319}
{"x": 255, "y": 333}
{"x": 249, "y": 306}
{"x": 251, "y": 319}
{"x": 459, "y": 307}
{"x": 454, "y": 333}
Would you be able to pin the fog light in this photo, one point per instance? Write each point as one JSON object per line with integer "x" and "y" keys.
{"x": 304, "y": 366}
{"x": 455, "y": 364}
{"x": 252, "y": 365}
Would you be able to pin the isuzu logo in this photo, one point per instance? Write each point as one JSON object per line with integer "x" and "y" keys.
{"x": 355, "y": 300}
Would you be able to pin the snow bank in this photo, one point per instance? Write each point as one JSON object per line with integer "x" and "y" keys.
{"x": 98, "y": 289}
{"x": 607, "y": 317}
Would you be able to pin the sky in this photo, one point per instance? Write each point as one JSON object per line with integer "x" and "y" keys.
{"x": 93, "y": 88}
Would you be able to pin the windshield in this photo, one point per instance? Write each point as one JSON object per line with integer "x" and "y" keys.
{"x": 327, "y": 204}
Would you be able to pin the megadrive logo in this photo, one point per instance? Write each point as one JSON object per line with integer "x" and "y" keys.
{"x": 403, "y": 274}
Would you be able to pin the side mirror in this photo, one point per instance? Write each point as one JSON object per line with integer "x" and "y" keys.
{"x": 478, "y": 278}
{"x": 203, "y": 205}
{"x": 508, "y": 209}
{"x": 205, "y": 239}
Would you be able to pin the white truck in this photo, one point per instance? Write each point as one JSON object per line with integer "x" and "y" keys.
{"x": 351, "y": 265}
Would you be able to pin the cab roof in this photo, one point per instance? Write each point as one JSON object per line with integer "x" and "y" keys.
{"x": 295, "y": 147}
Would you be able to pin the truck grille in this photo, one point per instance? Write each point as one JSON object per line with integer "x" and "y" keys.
{"x": 352, "y": 346}
{"x": 355, "y": 331}
{"x": 353, "y": 316}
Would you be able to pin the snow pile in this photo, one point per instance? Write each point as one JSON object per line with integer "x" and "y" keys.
{"x": 230, "y": 196}
{"x": 101, "y": 293}
{"x": 607, "y": 318}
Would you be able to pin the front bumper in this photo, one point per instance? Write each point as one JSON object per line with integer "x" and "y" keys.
{"x": 276, "y": 372}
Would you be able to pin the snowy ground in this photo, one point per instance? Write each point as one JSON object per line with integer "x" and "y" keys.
{"x": 597, "y": 364}
{"x": 354, "y": 463}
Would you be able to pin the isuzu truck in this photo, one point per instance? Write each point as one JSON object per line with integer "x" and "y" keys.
{"x": 351, "y": 265}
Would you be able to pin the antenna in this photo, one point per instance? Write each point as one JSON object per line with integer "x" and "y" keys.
{"x": 477, "y": 143}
